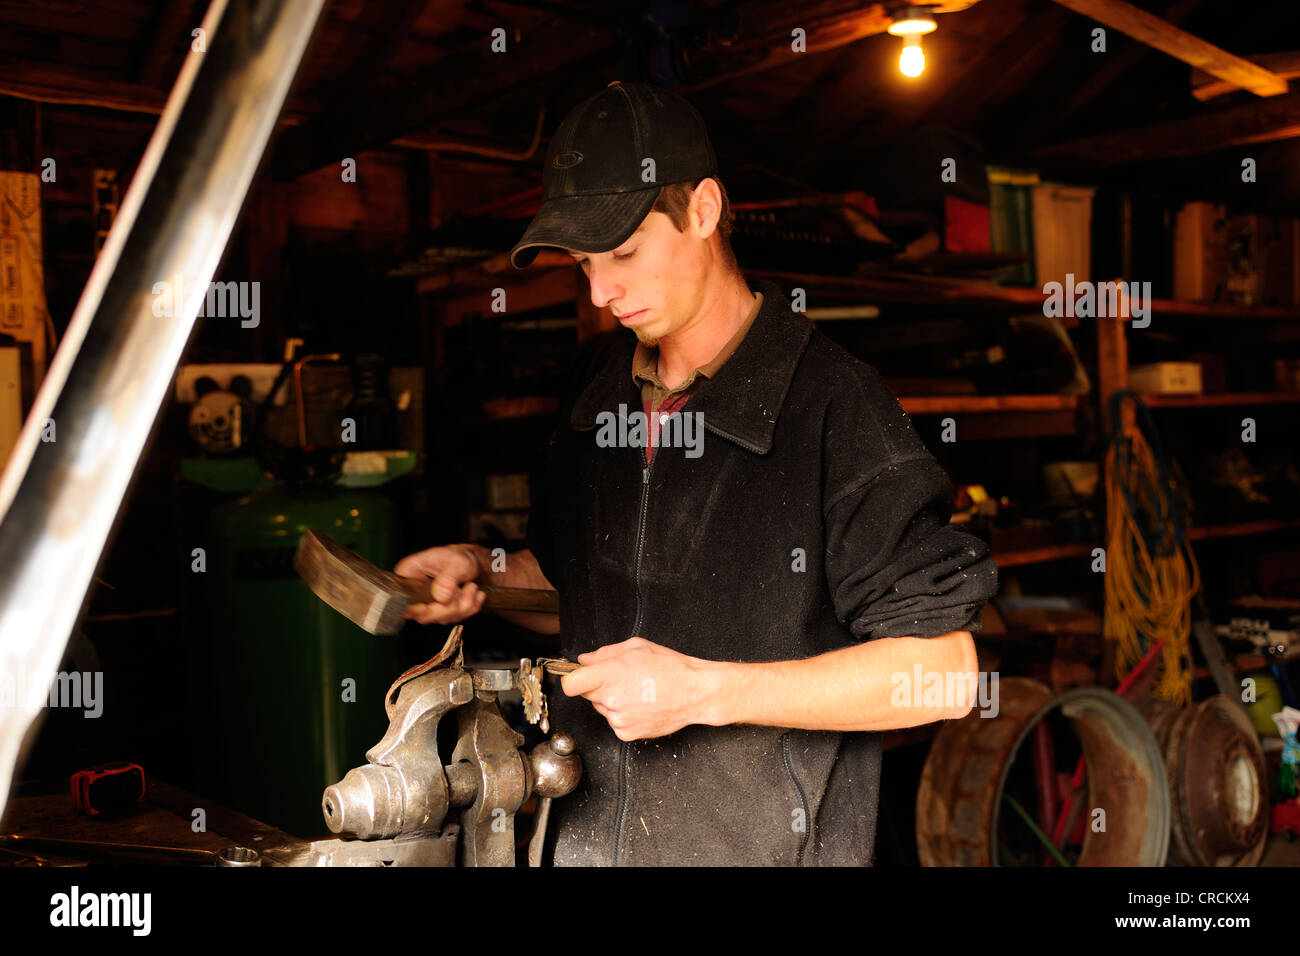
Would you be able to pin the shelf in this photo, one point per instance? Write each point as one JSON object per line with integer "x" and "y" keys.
{"x": 1239, "y": 529}
{"x": 1055, "y": 552}
{"x": 1220, "y": 399}
{"x": 1051, "y": 552}
{"x": 1249, "y": 662}
{"x": 982, "y": 295}
{"x": 939, "y": 404}
{"x": 905, "y": 289}
{"x": 1201, "y": 310}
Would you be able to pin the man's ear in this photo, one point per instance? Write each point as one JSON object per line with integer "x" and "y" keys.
{"x": 706, "y": 207}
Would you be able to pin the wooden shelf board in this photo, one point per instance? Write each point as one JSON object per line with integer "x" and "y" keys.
{"x": 1220, "y": 399}
{"x": 1055, "y": 552}
{"x": 891, "y": 288}
{"x": 1238, "y": 529}
{"x": 903, "y": 289}
{"x": 1202, "y": 310}
{"x": 1052, "y": 552}
{"x": 939, "y": 404}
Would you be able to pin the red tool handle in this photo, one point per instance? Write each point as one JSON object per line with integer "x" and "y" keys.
{"x": 107, "y": 786}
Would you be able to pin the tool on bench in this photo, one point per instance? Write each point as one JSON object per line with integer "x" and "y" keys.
{"x": 376, "y": 600}
{"x": 107, "y": 788}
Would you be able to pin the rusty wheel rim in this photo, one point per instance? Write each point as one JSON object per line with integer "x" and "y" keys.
{"x": 1223, "y": 777}
{"x": 1126, "y": 777}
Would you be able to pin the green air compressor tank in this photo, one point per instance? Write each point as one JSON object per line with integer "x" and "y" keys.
{"x": 297, "y": 689}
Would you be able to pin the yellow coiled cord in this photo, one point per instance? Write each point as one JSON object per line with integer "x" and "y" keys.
{"x": 1148, "y": 595}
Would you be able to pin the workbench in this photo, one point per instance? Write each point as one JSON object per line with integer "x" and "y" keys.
{"x": 164, "y": 818}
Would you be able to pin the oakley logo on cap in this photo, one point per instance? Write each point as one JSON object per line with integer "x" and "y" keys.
{"x": 566, "y": 159}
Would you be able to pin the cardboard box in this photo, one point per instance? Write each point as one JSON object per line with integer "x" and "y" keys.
{"x": 1279, "y": 261}
{"x": 11, "y": 401}
{"x": 1062, "y": 231}
{"x": 1166, "y": 378}
{"x": 1201, "y": 253}
{"x": 1245, "y": 259}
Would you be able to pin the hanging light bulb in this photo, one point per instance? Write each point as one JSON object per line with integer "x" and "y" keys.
{"x": 911, "y": 62}
{"x": 911, "y": 23}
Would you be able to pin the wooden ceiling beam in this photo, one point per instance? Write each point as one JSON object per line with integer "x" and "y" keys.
{"x": 1178, "y": 43}
{"x": 379, "y": 113}
{"x": 394, "y": 108}
{"x": 1005, "y": 64}
{"x": 1117, "y": 63}
{"x": 169, "y": 42}
{"x": 1256, "y": 122}
{"x": 1207, "y": 87}
{"x": 44, "y": 84}
{"x": 765, "y": 39}
{"x": 370, "y": 43}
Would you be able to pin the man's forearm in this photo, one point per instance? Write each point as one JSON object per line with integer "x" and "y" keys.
{"x": 854, "y": 688}
{"x": 516, "y": 570}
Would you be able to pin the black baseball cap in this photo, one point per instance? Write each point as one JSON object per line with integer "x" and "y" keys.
{"x": 594, "y": 190}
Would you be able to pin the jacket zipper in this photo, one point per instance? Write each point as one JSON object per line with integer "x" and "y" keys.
{"x": 803, "y": 799}
{"x": 625, "y": 749}
{"x": 732, "y": 438}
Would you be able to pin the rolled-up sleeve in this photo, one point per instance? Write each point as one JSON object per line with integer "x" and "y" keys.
{"x": 895, "y": 567}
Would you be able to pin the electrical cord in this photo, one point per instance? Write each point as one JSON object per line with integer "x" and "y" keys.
{"x": 1151, "y": 572}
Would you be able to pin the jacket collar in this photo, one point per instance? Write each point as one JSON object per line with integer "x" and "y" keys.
{"x": 743, "y": 401}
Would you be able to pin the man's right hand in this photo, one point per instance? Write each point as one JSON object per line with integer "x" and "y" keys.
{"x": 452, "y": 570}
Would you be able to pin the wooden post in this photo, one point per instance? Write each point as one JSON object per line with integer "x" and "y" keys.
{"x": 1112, "y": 359}
{"x": 1112, "y": 375}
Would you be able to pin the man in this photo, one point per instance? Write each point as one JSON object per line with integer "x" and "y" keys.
{"x": 743, "y": 597}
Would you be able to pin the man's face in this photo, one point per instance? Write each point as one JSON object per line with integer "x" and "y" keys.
{"x": 653, "y": 282}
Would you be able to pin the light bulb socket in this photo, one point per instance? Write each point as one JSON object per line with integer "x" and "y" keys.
{"x": 912, "y": 21}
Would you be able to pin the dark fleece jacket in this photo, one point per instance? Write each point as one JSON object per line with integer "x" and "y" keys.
{"x": 814, "y": 518}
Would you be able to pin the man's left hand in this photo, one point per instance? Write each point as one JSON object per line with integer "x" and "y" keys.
{"x": 644, "y": 689}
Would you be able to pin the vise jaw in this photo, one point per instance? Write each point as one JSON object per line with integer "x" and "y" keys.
{"x": 404, "y": 793}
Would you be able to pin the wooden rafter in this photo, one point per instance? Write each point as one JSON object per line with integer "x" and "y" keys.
{"x": 1285, "y": 65}
{"x": 767, "y": 39}
{"x": 1178, "y": 43}
{"x": 45, "y": 84}
{"x": 1002, "y": 66}
{"x": 379, "y": 113}
{"x": 1077, "y": 92}
{"x": 371, "y": 42}
{"x": 1254, "y": 122}
{"x": 167, "y": 43}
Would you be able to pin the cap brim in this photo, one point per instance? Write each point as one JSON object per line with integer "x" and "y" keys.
{"x": 585, "y": 223}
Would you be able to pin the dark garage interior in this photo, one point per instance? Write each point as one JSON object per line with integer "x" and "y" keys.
{"x": 1069, "y": 247}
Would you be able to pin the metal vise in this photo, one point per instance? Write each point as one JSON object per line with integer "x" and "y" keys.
{"x": 398, "y": 802}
